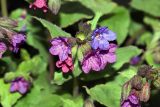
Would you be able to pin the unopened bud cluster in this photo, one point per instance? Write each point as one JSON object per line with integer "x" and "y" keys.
{"x": 138, "y": 88}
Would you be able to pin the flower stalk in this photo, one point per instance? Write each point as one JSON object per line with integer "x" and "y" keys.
{"x": 4, "y": 8}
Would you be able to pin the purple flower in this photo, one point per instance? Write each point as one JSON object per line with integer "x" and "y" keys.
{"x": 135, "y": 60}
{"x": 131, "y": 101}
{"x": 16, "y": 40}
{"x": 20, "y": 85}
{"x": 101, "y": 37}
{"x": 3, "y": 48}
{"x": 97, "y": 60}
{"x": 60, "y": 47}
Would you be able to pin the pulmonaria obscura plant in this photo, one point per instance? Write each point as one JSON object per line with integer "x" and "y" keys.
{"x": 98, "y": 54}
{"x": 79, "y": 53}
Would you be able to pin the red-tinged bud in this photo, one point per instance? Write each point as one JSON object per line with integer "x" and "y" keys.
{"x": 8, "y": 23}
{"x": 136, "y": 82}
{"x": 156, "y": 83}
{"x": 144, "y": 70}
{"x": 88, "y": 103}
{"x": 145, "y": 92}
{"x": 54, "y": 6}
{"x": 125, "y": 90}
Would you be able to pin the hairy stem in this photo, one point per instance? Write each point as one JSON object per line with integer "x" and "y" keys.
{"x": 75, "y": 87}
{"x": 95, "y": 20}
{"x": 4, "y": 8}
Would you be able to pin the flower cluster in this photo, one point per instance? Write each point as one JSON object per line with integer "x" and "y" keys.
{"x": 100, "y": 53}
{"x": 20, "y": 85}
{"x": 138, "y": 88}
{"x": 10, "y": 39}
{"x": 62, "y": 48}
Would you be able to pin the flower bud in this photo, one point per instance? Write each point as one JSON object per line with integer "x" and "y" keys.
{"x": 84, "y": 28}
{"x": 82, "y": 50}
{"x": 125, "y": 90}
{"x": 156, "y": 54}
{"x": 137, "y": 82}
{"x": 145, "y": 92}
{"x": 54, "y": 6}
{"x": 88, "y": 103}
{"x": 156, "y": 83}
{"x": 8, "y": 23}
{"x": 143, "y": 70}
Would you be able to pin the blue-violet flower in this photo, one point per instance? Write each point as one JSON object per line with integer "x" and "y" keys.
{"x": 101, "y": 37}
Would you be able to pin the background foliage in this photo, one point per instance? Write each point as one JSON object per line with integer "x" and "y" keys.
{"x": 137, "y": 25}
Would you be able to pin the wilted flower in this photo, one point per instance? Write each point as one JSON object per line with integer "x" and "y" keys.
{"x": 3, "y": 48}
{"x": 96, "y": 60}
{"x": 41, "y": 4}
{"x": 17, "y": 40}
{"x": 60, "y": 47}
{"x": 20, "y": 85}
{"x": 135, "y": 60}
{"x": 131, "y": 101}
{"x": 101, "y": 37}
{"x": 66, "y": 65}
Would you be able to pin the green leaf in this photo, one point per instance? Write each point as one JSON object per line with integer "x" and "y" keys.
{"x": 24, "y": 54}
{"x": 124, "y": 55}
{"x": 119, "y": 23}
{"x": 34, "y": 41}
{"x": 7, "y": 99}
{"x": 144, "y": 39}
{"x": 154, "y": 23}
{"x": 59, "y": 78}
{"x": 38, "y": 98}
{"x": 105, "y": 94}
{"x": 36, "y": 65}
{"x": 149, "y": 6}
{"x": 72, "y": 12}
{"x": 53, "y": 29}
{"x": 135, "y": 28}
{"x": 103, "y": 6}
{"x": 41, "y": 94}
{"x": 76, "y": 102}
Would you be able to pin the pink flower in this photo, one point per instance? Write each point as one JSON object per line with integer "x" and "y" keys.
{"x": 97, "y": 59}
{"x": 41, "y": 4}
{"x": 66, "y": 65}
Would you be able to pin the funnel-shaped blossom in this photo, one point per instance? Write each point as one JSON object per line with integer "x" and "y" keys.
{"x": 97, "y": 60}
{"x": 132, "y": 101}
{"x": 16, "y": 41}
{"x": 101, "y": 37}
{"x": 41, "y": 4}
{"x": 20, "y": 85}
{"x": 60, "y": 47}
